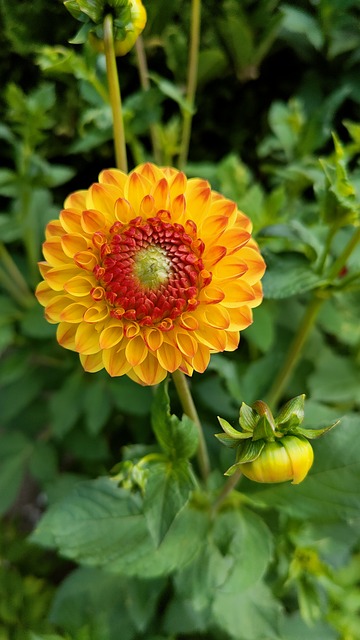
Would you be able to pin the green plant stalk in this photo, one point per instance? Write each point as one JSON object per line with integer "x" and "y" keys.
{"x": 115, "y": 95}
{"x": 145, "y": 85}
{"x": 189, "y": 408}
{"x": 16, "y": 283}
{"x": 307, "y": 324}
{"x": 191, "y": 81}
{"x": 228, "y": 487}
{"x": 331, "y": 233}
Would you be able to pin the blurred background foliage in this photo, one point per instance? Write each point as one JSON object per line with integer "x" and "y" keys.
{"x": 277, "y": 129}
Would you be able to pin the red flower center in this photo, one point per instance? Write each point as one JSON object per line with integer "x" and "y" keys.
{"x": 150, "y": 271}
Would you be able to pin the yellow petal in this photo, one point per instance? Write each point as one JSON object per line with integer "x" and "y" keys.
{"x": 114, "y": 177}
{"x": 65, "y": 335}
{"x": 134, "y": 191}
{"x": 111, "y": 335}
{"x": 236, "y": 293}
{"x": 230, "y": 268}
{"x": 161, "y": 195}
{"x": 92, "y": 221}
{"x": 53, "y": 229}
{"x": 44, "y": 294}
{"x": 136, "y": 351}
{"x": 232, "y": 340}
{"x": 169, "y": 357}
{"x": 56, "y": 307}
{"x": 96, "y": 313}
{"x": 213, "y": 256}
{"x": 57, "y": 278}
{"x": 79, "y": 286}
{"x": 150, "y": 371}
{"x": 71, "y": 220}
{"x": 150, "y": 171}
{"x": 86, "y": 260}
{"x": 153, "y": 338}
{"x": 177, "y": 184}
{"x": 217, "y": 316}
{"x": 86, "y": 339}
{"x": 93, "y": 362}
{"x": 188, "y": 321}
{"x": 123, "y": 211}
{"x": 178, "y": 208}
{"x": 54, "y": 253}
{"x": 102, "y": 197}
{"x": 115, "y": 362}
{"x": 186, "y": 343}
{"x": 72, "y": 243}
{"x": 201, "y": 359}
{"x": 240, "y": 318}
{"x": 73, "y": 313}
{"x": 212, "y": 338}
{"x": 211, "y": 294}
{"x": 76, "y": 200}
{"x": 198, "y": 202}
{"x": 255, "y": 263}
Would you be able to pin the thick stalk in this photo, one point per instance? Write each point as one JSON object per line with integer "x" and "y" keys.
{"x": 145, "y": 85}
{"x": 294, "y": 353}
{"x": 228, "y": 487}
{"x": 191, "y": 81}
{"x": 13, "y": 279}
{"x": 189, "y": 408}
{"x": 307, "y": 324}
{"x": 115, "y": 95}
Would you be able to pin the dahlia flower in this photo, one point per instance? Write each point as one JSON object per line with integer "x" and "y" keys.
{"x": 148, "y": 273}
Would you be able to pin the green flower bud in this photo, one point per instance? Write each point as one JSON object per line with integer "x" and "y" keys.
{"x": 287, "y": 458}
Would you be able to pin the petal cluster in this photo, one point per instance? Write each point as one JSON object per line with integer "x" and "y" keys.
{"x": 148, "y": 273}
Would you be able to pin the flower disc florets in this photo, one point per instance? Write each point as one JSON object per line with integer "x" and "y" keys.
{"x": 148, "y": 273}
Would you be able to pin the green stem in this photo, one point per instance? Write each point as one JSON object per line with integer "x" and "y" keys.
{"x": 293, "y": 355}
{"x": 228, "y": 487}
{"x": 327, "y": 246}
{"x": 307, "y": 324}
{"x": 16, "y": 283}
{"x": 189, "y": 408}
{"x": 115, "y": 95}
{"x": 191, "y": 82}
{"x": 344, "y": 256}
{"x": 145, "y": 84}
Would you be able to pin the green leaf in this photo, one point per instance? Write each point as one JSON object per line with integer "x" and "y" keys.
{"x": 65, "y": 404}
{"x": 97, "y": 405}
{"x": 315, "y": 433}
{"x": 248, "y": 615}
{"x": 167, "y": 490}
{"x": 335, "y": 379}
{"x": 43, "y": 463}
{"x": 130, "y": 398}
{"x": 15, "y": 451}
{"x": 95, "y": 597}
{"x": 177, "y": 438}
{"x": 263, "y": 430}
{"x": 248, "y": 418}
{"x": 170, "y": 90}
{"x": 292, "y": 413}
{"x": 100, "y": 525}
{"x": 289, "y": 274}
{"x": 249, "y": 451}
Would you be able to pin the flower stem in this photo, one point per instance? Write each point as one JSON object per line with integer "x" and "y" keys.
{"x": 145, "y": 84}
{"x": 228, "y": 487}
{"x": 115, "y": 95}
{"x": 191, "y": 81}
{"x": 307, "y": 324}
{"x": 189, "y": 408}
{"x": 15, "y": 282}
{"x": 294, "y": 353}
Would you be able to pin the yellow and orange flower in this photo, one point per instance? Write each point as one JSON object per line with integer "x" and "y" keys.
{"x": 148, "y": 273}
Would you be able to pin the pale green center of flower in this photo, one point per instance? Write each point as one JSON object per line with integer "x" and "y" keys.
{"x": 152, "y": 266}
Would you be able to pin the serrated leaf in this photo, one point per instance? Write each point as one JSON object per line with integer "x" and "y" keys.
{"x": 167, "y": 490}
{"x": 101, "y": 525}
{"x": 178, "y": 438}
{"x": 289, "y": 274}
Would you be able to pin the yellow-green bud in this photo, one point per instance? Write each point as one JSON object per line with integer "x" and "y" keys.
{"x": 288, "y": 458}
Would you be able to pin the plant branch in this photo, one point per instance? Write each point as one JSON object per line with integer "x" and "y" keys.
{"x": 189, "y": 408}
{"x": 145, "y": 85}
{"x": 228, "y": 487}
{"x": 191, "y": 81}
{"x": 115, "y": 95}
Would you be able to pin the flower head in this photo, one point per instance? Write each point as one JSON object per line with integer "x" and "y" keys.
{"x": 148, "y": 273}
